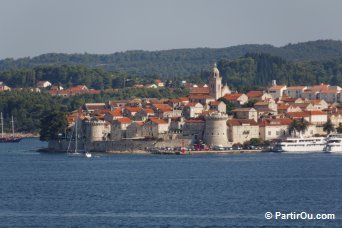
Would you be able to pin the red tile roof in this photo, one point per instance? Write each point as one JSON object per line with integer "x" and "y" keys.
{"x": 115, "y": 112}
{"x": 275, "y": 122}
{"x": 330, "y": 91}
{"x": 199, "y": 96}
{"x": 242, "y": 110}
{"x": 149, "y": 110}
{"x": 182, "y": 99}
{"x": 240, "y": 122}
{"x": 277, "y": 87}
{"x": 199, "y": 90}
{"x": 163, "y": 107}
{"x": 319, "y": 87}
{"x": 316, "y": 112}
{"x": 232, "y": 96}
{"x": 133, "y": 109}
{"x": 158, "y": 121}
{"x": 194, "y": 121}
{"x": 124, "y": 120}
{"x": 296, "y": 87}
{"x": 214, "y": 103}
{"x": 298, "y": 114}
{"x": 254, "y": 94}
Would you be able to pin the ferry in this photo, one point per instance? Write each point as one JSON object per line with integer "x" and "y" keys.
{"x": 334, "y": 143}
{"x": 312, "y": 144}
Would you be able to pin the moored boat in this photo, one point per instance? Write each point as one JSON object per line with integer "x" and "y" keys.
{"x": 334, "y": 143}
{"x": 8, "y": 139}
{"x": 300, "y": 145}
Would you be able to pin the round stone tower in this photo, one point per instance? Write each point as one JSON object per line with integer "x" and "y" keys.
{"x": 215, "y": 132}
{"x": 94, "y": 130}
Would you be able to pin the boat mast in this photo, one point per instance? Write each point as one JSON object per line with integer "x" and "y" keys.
{"x": 76, "y": 135}
{"x": 12, "y": 127}
{"x": 2, "y": 126}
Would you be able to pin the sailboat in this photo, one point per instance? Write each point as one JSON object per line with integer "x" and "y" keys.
{"x": 8, "y": 139}
{"x": 75, "y": 152}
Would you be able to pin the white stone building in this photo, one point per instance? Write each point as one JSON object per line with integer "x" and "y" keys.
{"x": 242, "y": 130}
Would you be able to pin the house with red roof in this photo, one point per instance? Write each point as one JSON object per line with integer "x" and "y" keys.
{"x": 194, "y": 128}
{"x": 159, "y": 83}
{"x": 246, "y": 113}
{"x": 43, "y": 84}
{"x": 163, "y": 110}
{"x": 134, "y": 130}
{"x": 119, "y": 127}
{"x": 236, "y": 98}
{"x": 192, "y": 110}
{"x": 155, "y": 127}
{"x": 277, "y": 91}
{"x": 310, "y": 94}
{"x": 91, "y": 107}
{"x": 255, "y": 95}
{"x": 219, "y": 106}
{"x": 274, "y": 128}
{"x": 330, "y": 95}
{"x": 242, "y": 130}
{"x": 295, "y": 91}
{"x": 144, "y": 114}
{"x": 130, "y": 112}
{"x": 114, "y": 114}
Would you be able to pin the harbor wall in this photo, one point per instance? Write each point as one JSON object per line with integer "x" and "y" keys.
{"x": 130, "y": 145}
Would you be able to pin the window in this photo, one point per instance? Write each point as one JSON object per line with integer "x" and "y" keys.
{"x": 269, "y": 132}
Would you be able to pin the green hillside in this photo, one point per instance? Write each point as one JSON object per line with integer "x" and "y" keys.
{"x": 179, "y": 62}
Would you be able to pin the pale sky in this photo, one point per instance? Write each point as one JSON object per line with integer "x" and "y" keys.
{"x": 33, "y": 27}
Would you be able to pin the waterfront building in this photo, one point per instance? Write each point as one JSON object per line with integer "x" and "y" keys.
{"x": 242, "y": 130}
{"x": 271, "y": 128}
{"x": 119, "y": 127}
{"x": 194, "y": 128}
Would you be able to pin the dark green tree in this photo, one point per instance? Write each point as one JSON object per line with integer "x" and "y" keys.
{"x": 53, "y": 124}
{"x": 328, "y": 127}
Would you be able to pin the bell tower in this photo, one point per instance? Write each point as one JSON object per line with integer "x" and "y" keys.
{"x": 215, "y": 83}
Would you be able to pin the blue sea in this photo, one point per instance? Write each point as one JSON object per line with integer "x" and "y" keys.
{"x": 56, "y": 190}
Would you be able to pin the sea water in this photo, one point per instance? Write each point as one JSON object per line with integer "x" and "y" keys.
{"x": 57, "y": 190}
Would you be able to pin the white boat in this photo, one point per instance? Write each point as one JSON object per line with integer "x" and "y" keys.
{"x": 334, "y": 143}
{"x": 88, "y": 155}
{"x": 299, "y": 145}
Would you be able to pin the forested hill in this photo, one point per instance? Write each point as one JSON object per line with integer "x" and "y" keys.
{"x": 180, "y": 62}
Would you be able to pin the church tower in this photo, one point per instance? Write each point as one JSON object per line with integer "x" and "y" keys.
{"x": 215, "y": 83}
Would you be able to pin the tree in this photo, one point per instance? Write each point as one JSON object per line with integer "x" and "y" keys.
{"x": 339, "y": 128}
{"x": 328, "y": 127}
{"x": 298, "y": 125}
{"x": 303, "y": 125}
{"x": 229, "y": 105}
{"x": 52, "y": 125}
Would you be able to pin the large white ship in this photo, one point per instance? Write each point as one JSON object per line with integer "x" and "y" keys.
{"x": 334, "y": 143}
{"x": 298, "y": 145}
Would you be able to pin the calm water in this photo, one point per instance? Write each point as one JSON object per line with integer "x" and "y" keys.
{"x": 55, "y": 190}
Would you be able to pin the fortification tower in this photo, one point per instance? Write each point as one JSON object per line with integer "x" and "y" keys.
{"x": 94, "y": 130}
{"x": 215, "y": 132}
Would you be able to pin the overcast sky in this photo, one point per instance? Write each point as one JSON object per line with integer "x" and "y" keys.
{"x": 33, "y": 27}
